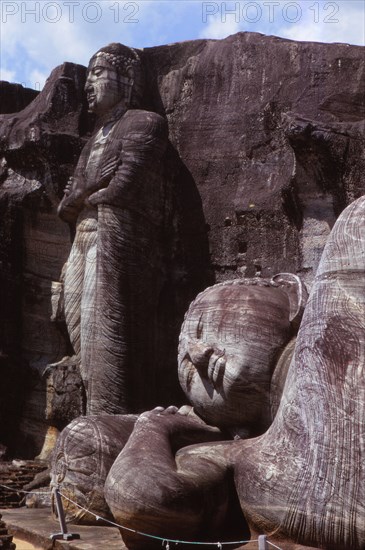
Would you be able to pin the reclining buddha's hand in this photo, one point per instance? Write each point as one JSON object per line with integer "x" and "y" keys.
{"x": 181, "y": 426}
{"x": 153, "y": 488}
{"x": 178, "y": 421}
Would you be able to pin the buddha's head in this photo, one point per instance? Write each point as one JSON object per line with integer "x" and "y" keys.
{"x": 114, "y": 76}
{"x": 231, "y": 340}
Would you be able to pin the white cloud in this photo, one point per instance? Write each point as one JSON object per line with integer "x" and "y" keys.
{"x": 28, "y": 45}
{"x": 5, "y": 74}
{"x": 37, "y": 79}
{"x": 30, "y": 49}
{"x": 341, "y": 22}
{"x": 217, "y": 28}
{"x": 33, "y": 48}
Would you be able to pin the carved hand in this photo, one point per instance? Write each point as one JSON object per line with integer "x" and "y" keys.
{"x": 177, "y": 493}
{"x": 183, "y": 427}
{"x": 71, "y": 203}
{"x": 109, "y": 195}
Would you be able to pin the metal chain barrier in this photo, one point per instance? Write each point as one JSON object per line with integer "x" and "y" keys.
{"x": 65, "y": 535}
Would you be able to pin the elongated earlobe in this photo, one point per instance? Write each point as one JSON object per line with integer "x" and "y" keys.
{"x": 297, "y": 293}
{"x": 130, "y": 75}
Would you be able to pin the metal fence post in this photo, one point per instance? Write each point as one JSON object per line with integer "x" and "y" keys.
{"x": 263, "y": 543}
{"x": 64, "y": 535}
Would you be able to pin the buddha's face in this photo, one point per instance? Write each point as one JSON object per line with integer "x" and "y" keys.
{"x": 228, "y": 347}
{"x": 104, "y": 87}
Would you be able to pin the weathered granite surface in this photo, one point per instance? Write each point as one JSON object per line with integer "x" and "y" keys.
{"x": 118, "y": 202}
{"x": 200, "y": 474}
{"x": 14, "y": 97}
{"x": 232, "y": 368}
{"x": 272, "y": 131}
{"x": 40, "y": 146}
{"x": 269, "y": 131}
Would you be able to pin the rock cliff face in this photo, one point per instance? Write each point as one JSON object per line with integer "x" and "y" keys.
{"x": 14, "y": 98}
{"x": 269, "y": 133}
{"x": 272, "y": 133}
{"x": 40, "y": 146}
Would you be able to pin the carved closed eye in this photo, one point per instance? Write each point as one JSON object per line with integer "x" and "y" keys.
{"x": 97, "y": 71}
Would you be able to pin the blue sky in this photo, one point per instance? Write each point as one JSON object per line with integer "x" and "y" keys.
{"x": 36, "y": 36}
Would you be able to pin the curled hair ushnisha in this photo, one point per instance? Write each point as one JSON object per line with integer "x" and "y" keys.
{"x": 120, "y": 62}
